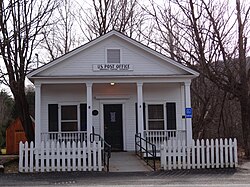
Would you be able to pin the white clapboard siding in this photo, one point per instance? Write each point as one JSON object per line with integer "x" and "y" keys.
{"x": 60, "y": 156}
{"x": 201, "y": 154}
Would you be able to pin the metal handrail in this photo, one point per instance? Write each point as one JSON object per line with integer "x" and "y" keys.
{"x": 139, "y": 141}
{"x": 107, "y": 148}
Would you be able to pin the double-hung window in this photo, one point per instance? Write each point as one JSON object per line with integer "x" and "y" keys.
{"x": 69, "y": 118}
{"x": 161, "y": 116}
{"x": 156, "y": 117}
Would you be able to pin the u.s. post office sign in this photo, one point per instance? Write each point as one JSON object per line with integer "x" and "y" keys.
{"x": 112, "y": 67}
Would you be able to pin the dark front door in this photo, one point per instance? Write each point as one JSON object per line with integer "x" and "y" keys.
{"x": 113, "y": 126}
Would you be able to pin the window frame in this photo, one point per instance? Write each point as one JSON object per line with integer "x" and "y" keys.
{"x": 106, "y": 55}
{"x": 164, "y": 114}
{"x": 60, "y": 121}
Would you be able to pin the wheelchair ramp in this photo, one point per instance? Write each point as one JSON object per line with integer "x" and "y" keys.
{"x": 127, "y": 162}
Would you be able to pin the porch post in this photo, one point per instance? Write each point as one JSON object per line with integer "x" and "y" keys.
{"x": 37, "y": 114}
{"x": 89, "y": 109}
{"x": 183, "y": 105}
{"x": 140, "y": 108}
{"x": 188, "y": 120}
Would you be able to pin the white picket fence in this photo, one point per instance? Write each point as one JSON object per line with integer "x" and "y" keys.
{"x": 201, "y": 154}
{"x": 60, "y": 156}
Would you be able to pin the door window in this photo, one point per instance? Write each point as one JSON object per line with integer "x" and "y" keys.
{"x": 112, "y": 117}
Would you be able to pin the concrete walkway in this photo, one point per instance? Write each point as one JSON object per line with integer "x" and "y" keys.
{"x": 127, "y": 162}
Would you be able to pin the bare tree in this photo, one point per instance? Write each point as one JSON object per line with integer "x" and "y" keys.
{"x": 21, "y": 23}
{"x": 210, "y": 38}
{"x": 71, "y": 26}
{"x": 125, "y": 16}
{"x": 216, "y": 113}
{"x": 61, "y": 34}
{"x": 6, "y": 110}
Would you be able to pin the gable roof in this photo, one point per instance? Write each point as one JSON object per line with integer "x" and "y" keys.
{"x": 103, "y": 37}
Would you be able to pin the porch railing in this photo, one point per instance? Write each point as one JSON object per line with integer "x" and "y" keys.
{"x": 64, "y": 136}
{"x": 157, "y": 137}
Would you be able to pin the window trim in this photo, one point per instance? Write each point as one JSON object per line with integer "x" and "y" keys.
{"x": 60, "y": 116}
{"x": 164, "y": 113}
{"x": 106, "y": 55}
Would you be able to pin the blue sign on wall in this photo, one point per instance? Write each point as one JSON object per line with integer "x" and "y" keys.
{"x": 189, "y": 112}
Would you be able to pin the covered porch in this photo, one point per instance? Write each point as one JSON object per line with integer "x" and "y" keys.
{"x": 145, "y": 107}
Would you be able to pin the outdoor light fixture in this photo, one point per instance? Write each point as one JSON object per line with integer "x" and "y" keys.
{"x": 112, "y": 83}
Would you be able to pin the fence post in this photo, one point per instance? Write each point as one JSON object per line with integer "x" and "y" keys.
{"x": 100, "y": 156}
{"x": 179, "y": 153}
{"x": 174, "y": 153}
{"x": 208, "y": 153}
{"x": 226, "y": 153}
{"x": 169, "y": 151}
{"x": 74, "y": 155}
{"x": 52, "y": 155}
{"x": 183, "y": 153}
{"x": 188, "y": 155}
{"x": 235, "y": 153}
{"x": 63, "y": 156}
{"x": 26, "y": 156}
{"x": 79, "y": 160}
{"x": 84, "y": 152}
{"x": 212, "y": 153}
{"x": 217, "y": 153}
{"x": 58, "y": 156}
{"x": 230, "y": 152}
{"x": 193, "y": 155}
{"x": 202, "y": 154}
{"x": 47, "y": 157}
{"x": 198, "y": 154}
{"x": 37, "y": 158}
{"x": 31, "y": 156}
{"x": 21, "y": 149}
{"x": 68, "y": 157}
{"x": 89, "y": 167}
{"x": 42, "y": 156}
{"x": 221, "y": 153}
{"x": 163, "y": 155}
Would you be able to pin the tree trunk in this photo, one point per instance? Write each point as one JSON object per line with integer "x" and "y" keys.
{"x": 24, "y": 115}
{"x": 245, "y": 117}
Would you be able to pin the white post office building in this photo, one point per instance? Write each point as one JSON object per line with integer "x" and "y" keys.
{"x": 116, "y": 87}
